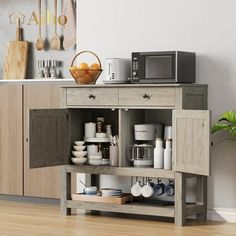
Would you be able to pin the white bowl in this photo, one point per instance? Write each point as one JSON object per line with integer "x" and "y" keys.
{"x": 97, "y": 157}
{"x": 79, "y": 148}
{"x": 95, "y": 162}
{"x": 90, "y": 190}
{"x": 79, "y": 153}
{"x": 79, "y": 143}
{"x": 101, "y": 135}
{"x": 79, "y": 161}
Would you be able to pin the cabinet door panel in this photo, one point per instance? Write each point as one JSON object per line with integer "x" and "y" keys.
{"x": 11, "y": 151}
{"x": 191, "y": 146}
{"x": 49, "y": 137}
{"x": 40, "y": 182}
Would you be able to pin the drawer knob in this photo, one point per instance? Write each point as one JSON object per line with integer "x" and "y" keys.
{"x": 91, "y": 96}
{"x": 146, "y": 96}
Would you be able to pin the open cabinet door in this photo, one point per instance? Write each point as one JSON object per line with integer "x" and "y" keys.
{"x": 191, "y": 141}
{"x": 49, "y": 137}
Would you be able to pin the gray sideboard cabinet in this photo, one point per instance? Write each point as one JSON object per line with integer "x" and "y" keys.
{"x": 184, "y": 106}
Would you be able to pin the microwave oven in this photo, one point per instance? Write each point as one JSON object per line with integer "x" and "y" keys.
{"x": 163, "y": 67}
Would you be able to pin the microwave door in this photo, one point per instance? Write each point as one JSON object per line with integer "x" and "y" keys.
{"x": 160, "y": 68}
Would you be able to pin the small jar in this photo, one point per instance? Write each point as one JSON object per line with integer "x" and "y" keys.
{"x": 53, "y": 70}
{"x": 100, "y": 125}
{"x": 46, "y": 69}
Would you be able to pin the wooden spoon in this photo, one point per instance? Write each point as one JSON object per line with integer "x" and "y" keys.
{"x": 55, "y": 41}
{"x": 39, "y": 42}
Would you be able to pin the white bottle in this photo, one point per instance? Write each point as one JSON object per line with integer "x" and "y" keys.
{"x": 159, "y": 154}
{"x": 168, "y": 155}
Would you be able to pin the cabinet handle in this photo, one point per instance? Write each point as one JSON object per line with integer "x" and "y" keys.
{"x": 91, "y": 96}
{"x": 146, "y": 96}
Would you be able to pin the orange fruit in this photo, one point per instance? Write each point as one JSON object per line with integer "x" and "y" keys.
{"x": 83, "y": 66}
{"x": 86, "y": 79}
{"x": 94, "y": 69}
{"x": 95, "y": 66}
{"x": 80, "y": 73}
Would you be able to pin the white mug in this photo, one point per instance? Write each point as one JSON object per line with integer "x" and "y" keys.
{"x": 136, "y": 189}
{"x": 148, "y": 189}
{"x": 90, "y": 130}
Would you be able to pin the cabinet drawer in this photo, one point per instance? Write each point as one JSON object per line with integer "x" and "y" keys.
{"x": 147, "y": 96}
{"x": 92, "y": 96}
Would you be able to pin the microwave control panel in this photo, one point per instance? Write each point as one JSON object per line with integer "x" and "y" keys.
{"x": 135, "y": 66}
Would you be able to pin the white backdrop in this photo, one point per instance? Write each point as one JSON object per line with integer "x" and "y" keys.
{"x": 208, "y": 27}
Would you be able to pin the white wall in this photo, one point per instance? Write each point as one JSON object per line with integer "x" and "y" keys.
{"x": 208, "y": 27}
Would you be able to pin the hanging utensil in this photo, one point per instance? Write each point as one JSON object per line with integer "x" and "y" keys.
{"x": 39, "y": 42}
{"x": 55, "y": 41}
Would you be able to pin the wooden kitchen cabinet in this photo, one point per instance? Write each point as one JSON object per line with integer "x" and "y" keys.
{"x": 11, "y": 133}
{"x": 40, "y": 182}
{"x": 182, "y": 106}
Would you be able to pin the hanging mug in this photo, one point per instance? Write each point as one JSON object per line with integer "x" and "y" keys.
{"x": 136, "y": 189}
{"x": 148, "y": 189}
{"x": 159, "y": 188}
{"x": 170, "y": 189}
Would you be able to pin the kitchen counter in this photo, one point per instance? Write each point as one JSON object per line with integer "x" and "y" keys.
{"x": 37, "y": 81}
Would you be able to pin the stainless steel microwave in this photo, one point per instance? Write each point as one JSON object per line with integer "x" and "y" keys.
{"x": 163, "y": 67}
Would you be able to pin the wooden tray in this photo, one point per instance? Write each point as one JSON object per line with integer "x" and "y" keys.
{"x": 125, "y": 197}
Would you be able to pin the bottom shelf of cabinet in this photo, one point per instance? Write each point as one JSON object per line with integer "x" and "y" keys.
{"x": 131, "y": 208}
{"x": 136, "y": 208}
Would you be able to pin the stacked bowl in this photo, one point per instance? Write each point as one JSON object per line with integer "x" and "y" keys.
{"x": 79, "y": 155}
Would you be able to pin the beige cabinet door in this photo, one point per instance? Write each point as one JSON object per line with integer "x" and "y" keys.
{"x": 191, "y": 141}
{"x": 42, "y": 182}
{"x": 11, "y": 151}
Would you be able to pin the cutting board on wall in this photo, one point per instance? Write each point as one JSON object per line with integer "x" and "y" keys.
{"x": 16, "y": 58}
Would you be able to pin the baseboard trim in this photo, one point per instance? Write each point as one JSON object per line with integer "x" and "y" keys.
{"x": 222, "y": 214}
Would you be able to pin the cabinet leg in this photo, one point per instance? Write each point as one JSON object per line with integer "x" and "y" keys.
{"x": 91, "y": 180}
{"x": 202, "y": 196}
{"x": 65, "y": 190}
{"x": 180, "y": 199}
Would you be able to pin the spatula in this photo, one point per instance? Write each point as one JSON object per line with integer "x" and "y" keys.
{"x": 39, "y": 42}
{"x": 55, "y": 41}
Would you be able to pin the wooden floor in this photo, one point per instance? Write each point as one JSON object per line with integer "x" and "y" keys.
{"x": 21, "y": 219}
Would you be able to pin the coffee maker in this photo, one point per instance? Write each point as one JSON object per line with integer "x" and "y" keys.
{"x": 141, "y": 153}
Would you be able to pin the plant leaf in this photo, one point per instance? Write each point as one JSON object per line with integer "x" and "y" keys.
{"x": 233, "y": 130}
{"x": 218, "y": 127}
{"x": 229, "y": 116}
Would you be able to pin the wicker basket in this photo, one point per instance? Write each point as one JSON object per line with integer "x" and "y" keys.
{"x": 85, "y": 76}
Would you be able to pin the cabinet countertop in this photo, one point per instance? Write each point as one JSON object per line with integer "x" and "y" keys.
{"x": 132, "y": 85}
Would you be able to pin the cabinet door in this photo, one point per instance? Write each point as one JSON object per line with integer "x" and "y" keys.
{"x": 49, "y": 140}
{"x": 11, "y": 152}
{"x": 40, "y": 182}
{"x": 191, "y": 141}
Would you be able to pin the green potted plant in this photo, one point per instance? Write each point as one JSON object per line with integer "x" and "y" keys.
{"x": 227, "y": 122}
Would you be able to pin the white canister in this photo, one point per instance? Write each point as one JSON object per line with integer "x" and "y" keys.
{"x": 168, "y": 155}
{"x": 90, "y": 130}
{"x": 159, "y": 154}
{"x": 92, "y": 150}
{"x": 168, "y": 133}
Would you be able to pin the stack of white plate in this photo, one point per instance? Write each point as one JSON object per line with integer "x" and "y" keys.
{"x": 110, "y": 192}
